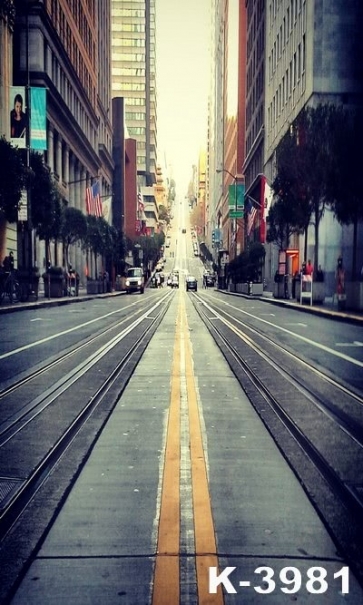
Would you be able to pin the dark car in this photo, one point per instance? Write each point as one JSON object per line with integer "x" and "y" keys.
{"x": 209, "y": 280}
{"x": 191, "y": 283}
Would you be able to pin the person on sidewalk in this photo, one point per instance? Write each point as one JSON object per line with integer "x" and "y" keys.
{"x": 320, "y": 274}
{"x": 309, "y": 268}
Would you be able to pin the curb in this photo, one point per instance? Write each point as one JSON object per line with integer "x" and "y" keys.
{"x": 55, "y": 302}
{"x": 313, "y": 310}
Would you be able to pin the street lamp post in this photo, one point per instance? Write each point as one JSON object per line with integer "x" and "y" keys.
{"x": 28, "y": 109}
{"x": 138, "y": 249}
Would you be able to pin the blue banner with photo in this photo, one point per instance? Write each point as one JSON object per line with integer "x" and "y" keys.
{"x": 38, "y": 121}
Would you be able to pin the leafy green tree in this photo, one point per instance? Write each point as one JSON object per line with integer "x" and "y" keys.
{"x": 285, "y": 218}
{"x": 293, "y": 209}
{"x": 256, "y": 257}
{"x": 73, "y": 229}
{"x": 150, "y": 246}
{"x": 247, "y": 266}
{"x": 7, "y": 11}
{"x": 171, "y": 193}
{"x": 304, "y": 161}
{"x": 106, "y": 241}
{"x": 110, "y": 245}
{"x": 13, "y": 180}
{"x": 312, "y": 127}
{"x": 116, "y": 253}
{"x": 164, "y": 214}
{"x": 46, "y": 200}
{"x": 344, "y": 188}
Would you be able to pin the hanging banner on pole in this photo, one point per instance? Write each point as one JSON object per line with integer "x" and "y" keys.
{"x": 38, "y": 122}
{"x": 18, "y": 116}
{"x": 236, "y": 200}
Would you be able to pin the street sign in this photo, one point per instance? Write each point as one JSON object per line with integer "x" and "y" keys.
{"x": 236, "y": 213}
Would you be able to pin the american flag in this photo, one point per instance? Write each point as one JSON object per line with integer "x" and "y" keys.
{"x": 251, "y": 219}
{"x": 93, "y": 199}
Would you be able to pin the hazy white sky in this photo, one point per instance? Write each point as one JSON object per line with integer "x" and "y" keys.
{"x": 183, "y": 76}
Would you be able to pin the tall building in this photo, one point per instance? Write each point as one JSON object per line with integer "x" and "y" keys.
{"x": 64, "y": 46}
{"x": 226, "y": 146}
{"x": 255, "y": 105}
{"x": 215, "y": 143}
{"x": 134, "y": 77}
{"x": 313, "y": 55}
{"x": 8, "y": 234}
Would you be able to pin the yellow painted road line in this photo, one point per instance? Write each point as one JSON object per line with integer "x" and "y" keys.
{"x": 166, "y": 573}
{"x": 166, "y": 588}
{"x": 205, "y": 543}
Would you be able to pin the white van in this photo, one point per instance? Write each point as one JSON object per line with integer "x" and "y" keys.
{"x": 135, "y": 280}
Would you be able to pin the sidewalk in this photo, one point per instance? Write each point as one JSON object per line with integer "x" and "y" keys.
{"x": 49, "y": 302}
{"x": 326, "y": 309}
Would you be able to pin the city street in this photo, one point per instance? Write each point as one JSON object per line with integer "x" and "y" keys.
{"x": 179, "y": 469}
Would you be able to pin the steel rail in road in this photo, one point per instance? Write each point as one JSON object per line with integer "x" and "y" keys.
{"x": 267, "y": 394}
{"x": 12, "y": 507}
{"x": 71, "y": 351}
{"x": 27, "y": 413}
{"x": 352, "y": 426}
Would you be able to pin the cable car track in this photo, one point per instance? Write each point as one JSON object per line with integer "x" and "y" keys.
{"x": 64, "y": 356}
{"x": 325, "y": 404}
{"x": 12, "y": 507}
{"x": 329, "y": 477}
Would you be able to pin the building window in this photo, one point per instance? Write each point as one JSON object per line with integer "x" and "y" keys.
{"x": 303, "y": 55}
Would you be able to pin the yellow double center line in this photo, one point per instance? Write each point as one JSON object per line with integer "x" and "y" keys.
{"x": 167, "y": 575}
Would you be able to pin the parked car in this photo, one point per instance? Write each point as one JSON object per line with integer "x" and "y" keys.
{"x": 191, "y": 283}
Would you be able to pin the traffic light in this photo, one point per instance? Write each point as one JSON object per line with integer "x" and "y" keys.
{"x": 213, "y": 237}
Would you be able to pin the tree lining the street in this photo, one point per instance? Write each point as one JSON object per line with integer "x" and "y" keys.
{"x": 317, "y": 167}
{"x": 13, "y": 180}
{"x": 150, "y": 246}
{"x": 344, "y": 179}
{"x": 247, "y": 266}
{"x": 164, "y": 214}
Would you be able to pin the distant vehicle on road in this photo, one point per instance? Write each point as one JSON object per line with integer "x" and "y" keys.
{"x": 209, "y": 280}
{"x": 135, "y": 280}
{"x": 184, "y": 230}
{"x": 191, "y": 283}
{"x": 175, "y": 280}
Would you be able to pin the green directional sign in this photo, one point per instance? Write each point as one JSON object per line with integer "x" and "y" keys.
{"x": 236, "y": 213}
